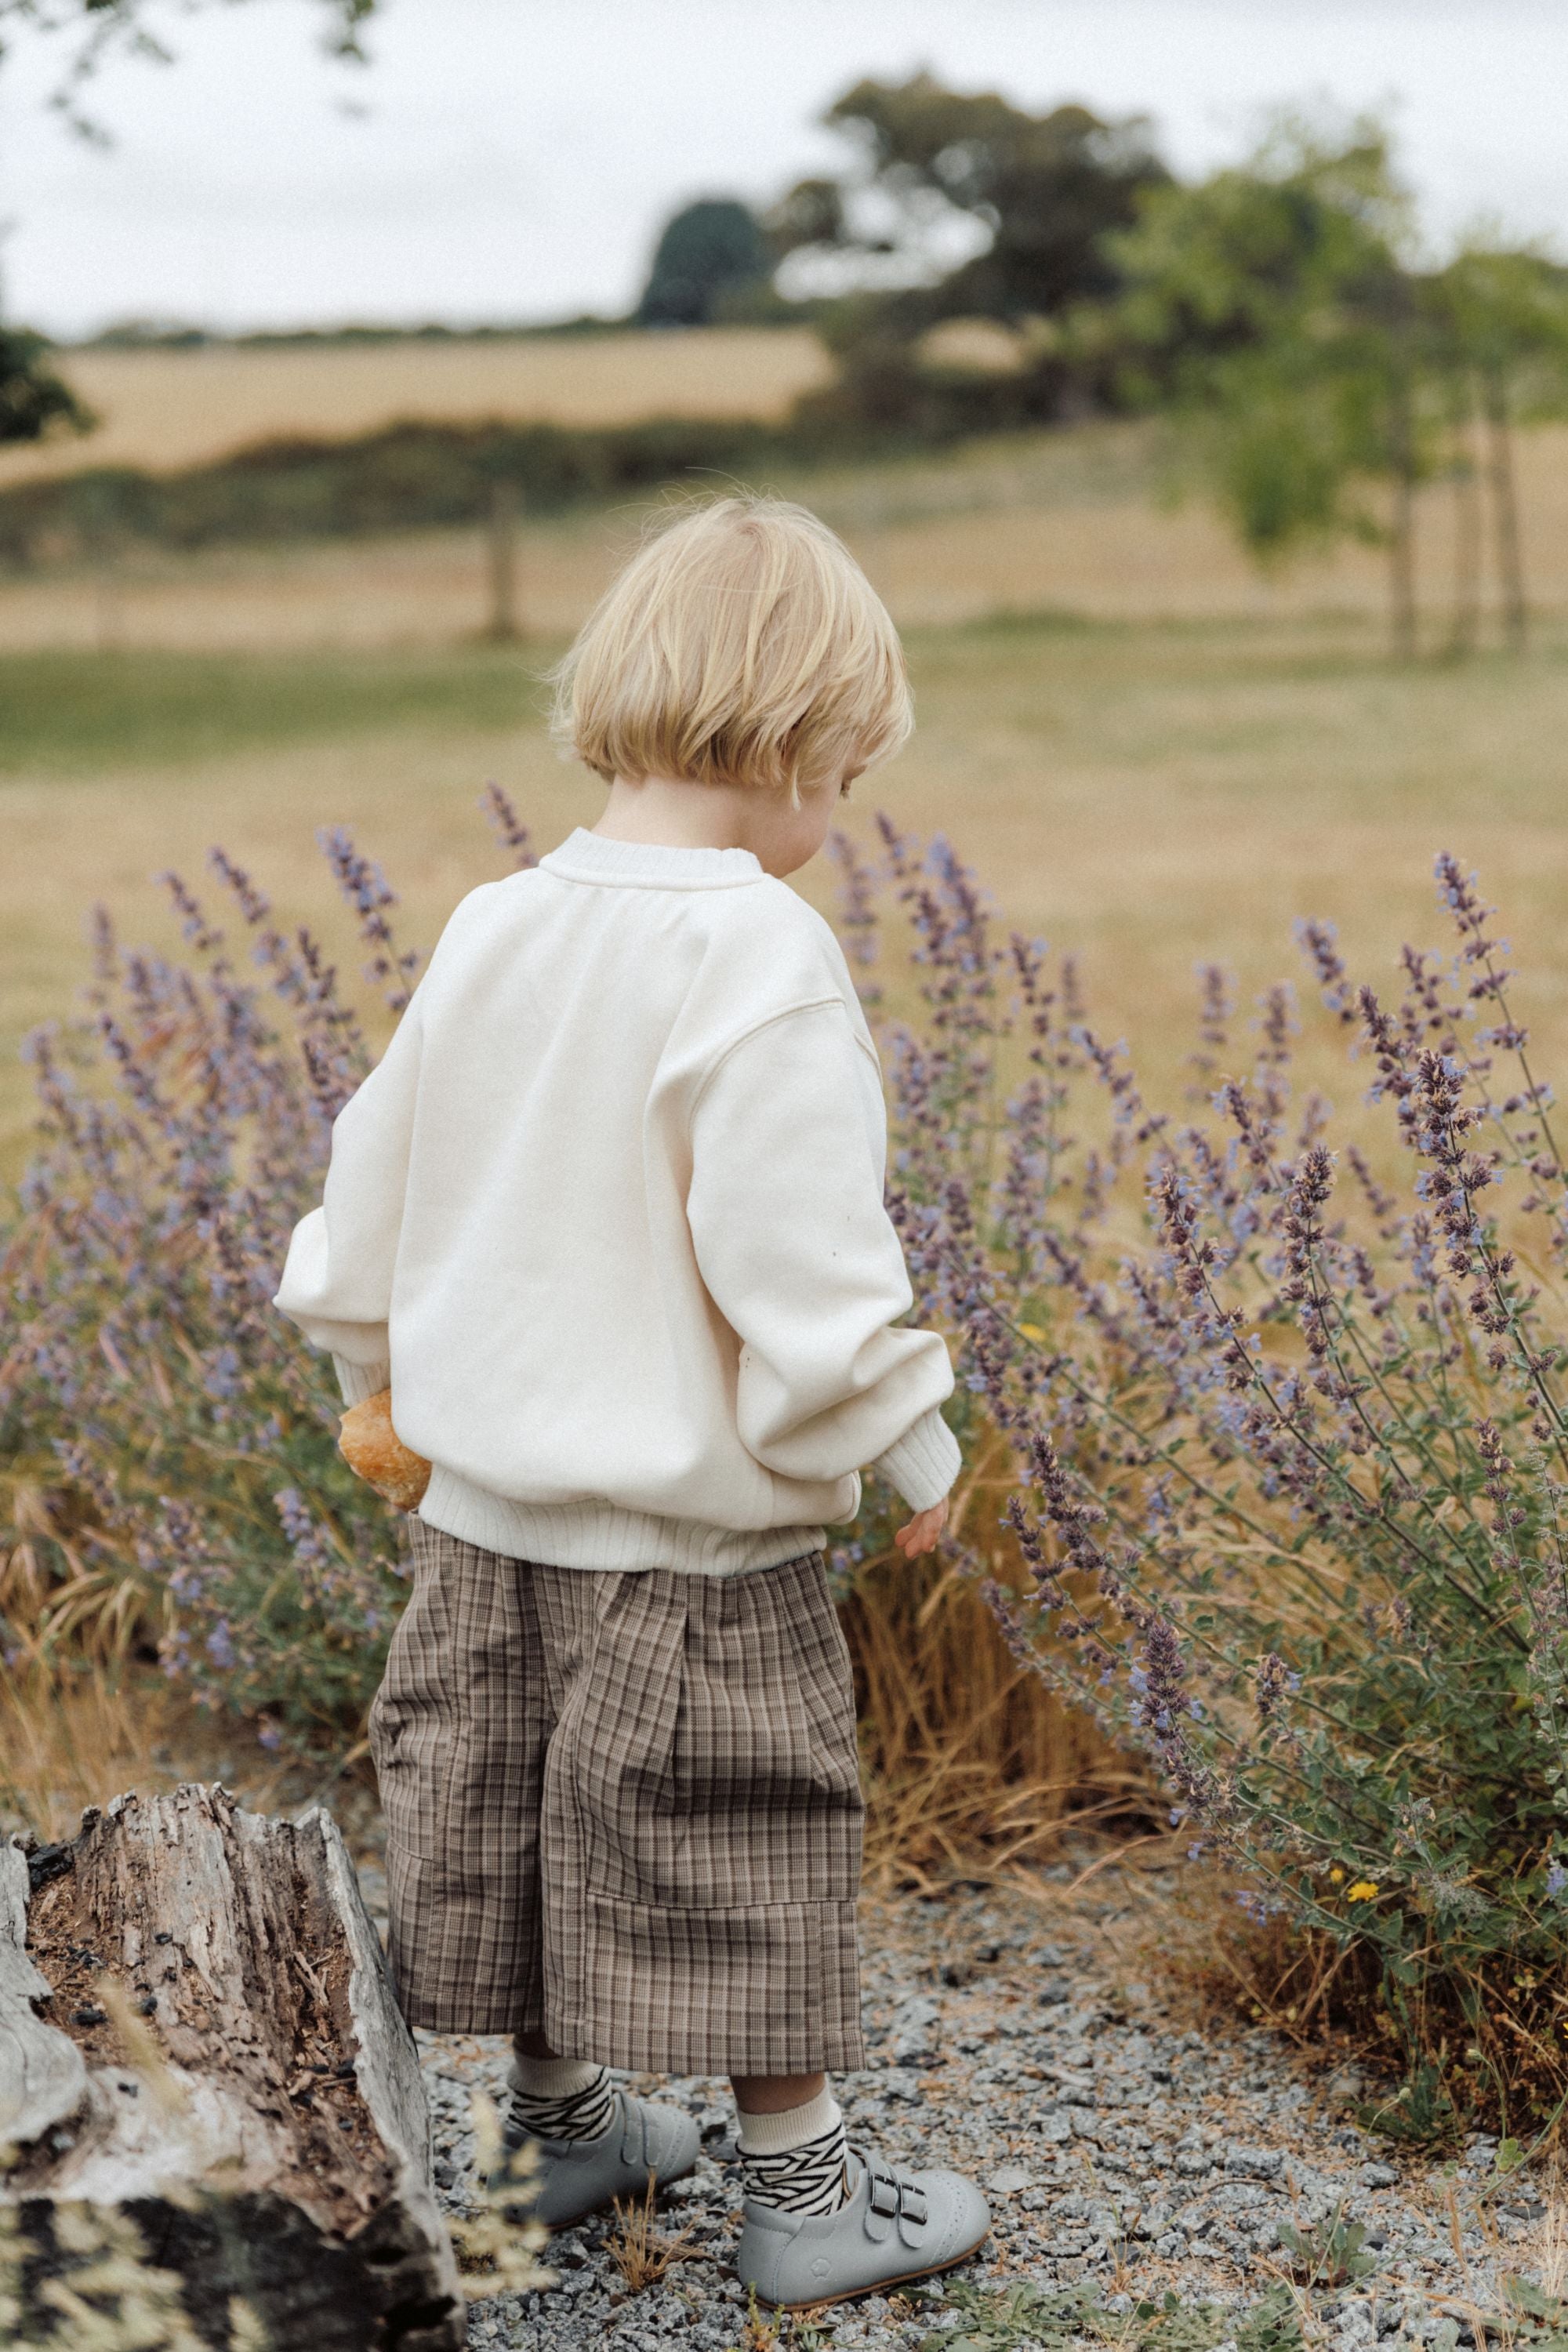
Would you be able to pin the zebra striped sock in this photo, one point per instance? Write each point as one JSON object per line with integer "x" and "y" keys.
{"x": 560, "y": 2098}
{"x": 796, "y": 2161}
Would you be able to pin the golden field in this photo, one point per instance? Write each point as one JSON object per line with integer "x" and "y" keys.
{"x": 167, "y": 409}
{"x": 1153, "y": 756}
{"x": 1070, "y": 522}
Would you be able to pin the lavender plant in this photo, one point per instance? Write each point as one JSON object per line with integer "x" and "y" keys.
{"x": 172, "y": 1479}
{"x": 1281, "y": 1387}
{"x": 1290, "y": 1428}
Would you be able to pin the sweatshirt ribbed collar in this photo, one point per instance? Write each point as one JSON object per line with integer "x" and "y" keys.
{"x": 586, "y": 856}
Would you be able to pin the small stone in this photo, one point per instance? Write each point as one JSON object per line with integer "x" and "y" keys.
{"x": 1253, "y": 2163}
{"x": 88, "y": 2015}
{"x": 1378, "y": 2175}
{"x": 1008, "y": 2178}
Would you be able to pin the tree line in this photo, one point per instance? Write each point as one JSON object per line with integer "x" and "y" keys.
{"x": 1314, "y": 366}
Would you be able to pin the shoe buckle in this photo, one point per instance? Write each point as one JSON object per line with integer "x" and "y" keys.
{"x": 887, "y": 2194}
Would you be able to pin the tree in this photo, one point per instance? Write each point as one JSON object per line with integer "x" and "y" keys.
{"x": 1502, "y": 318}
{"x": 1277, "y": 317}
{"x": 94, "y": 29}
{"x": 960, "y": 204}
{"x": 34, "y": 401}
{"x": 710, "y": 252}
{"x": 1032, "y": 196}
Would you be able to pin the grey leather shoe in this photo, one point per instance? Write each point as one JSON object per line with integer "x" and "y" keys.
{"x": 897, "y": 2226}
{"x": 575, "y": 2177}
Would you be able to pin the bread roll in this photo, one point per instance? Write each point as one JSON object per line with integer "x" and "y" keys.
{"x": 374, "y": 1451}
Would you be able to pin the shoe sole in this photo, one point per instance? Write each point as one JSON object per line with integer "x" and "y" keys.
{"x": 881, "y": 2286}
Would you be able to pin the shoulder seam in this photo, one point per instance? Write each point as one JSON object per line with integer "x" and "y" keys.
{"x": 768, "y": 1021}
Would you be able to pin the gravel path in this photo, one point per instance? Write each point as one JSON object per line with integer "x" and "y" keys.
{"x": 1122, "y": 2149}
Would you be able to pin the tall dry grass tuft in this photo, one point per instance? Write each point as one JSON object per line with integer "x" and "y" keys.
{"x": 971, "y": 1760}
{"x": 75, "y": 1732}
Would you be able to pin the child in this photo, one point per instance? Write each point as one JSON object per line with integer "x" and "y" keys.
{"x": 608, "y": 1219}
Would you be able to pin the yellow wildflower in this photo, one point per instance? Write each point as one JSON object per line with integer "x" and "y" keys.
{"x": 1031, "y": 1331}
{"x": 1362, "y": 1891}
{"x": 1336, "y": 1876}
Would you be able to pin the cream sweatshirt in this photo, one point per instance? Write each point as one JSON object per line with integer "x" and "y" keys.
{"x": 609, "y": 1215}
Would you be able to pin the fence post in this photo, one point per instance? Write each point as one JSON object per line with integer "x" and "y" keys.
{"x": 501, "y": 552}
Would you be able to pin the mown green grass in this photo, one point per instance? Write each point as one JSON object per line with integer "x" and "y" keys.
{"x": 68, "y": 713}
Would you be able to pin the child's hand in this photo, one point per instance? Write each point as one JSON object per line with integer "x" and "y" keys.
{"x": 923, "y": 1532}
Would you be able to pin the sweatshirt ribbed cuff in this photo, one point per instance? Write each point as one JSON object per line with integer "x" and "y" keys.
{"x": 923, "y": 1462}
{"x": 358, "y": 1382}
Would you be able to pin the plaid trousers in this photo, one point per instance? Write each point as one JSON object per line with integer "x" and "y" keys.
{"x": 624, "y": 1808}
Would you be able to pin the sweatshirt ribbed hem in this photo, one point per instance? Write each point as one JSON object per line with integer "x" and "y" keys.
{"x": 923, "y": 1462}
{"x": 599, "y": 1535}
{"x": 358, "y": 1382}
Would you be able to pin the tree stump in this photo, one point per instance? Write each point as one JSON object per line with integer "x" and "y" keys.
{"x": 197, "y": 2029}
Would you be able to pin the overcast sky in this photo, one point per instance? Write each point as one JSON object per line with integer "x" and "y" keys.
{"x": 512, "y": 159}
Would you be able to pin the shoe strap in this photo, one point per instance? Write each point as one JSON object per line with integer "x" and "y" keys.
{"x": 634, "y": 2129}
{"x": 893, "y": 2199}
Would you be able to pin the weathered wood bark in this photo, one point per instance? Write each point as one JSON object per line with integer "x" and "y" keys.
{"x": 259, "y": 2110}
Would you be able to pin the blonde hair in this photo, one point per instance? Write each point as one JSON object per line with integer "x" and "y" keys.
{"x": 743, "y": 644}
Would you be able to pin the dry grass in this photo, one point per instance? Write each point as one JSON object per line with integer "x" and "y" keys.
{"x": 1048, "y": 522}
{"x": 1148, "y": 796}
{"x": 76, "y": 1735}
{"x": 165, "y": 409}
{"x": 642, "y": 2253}
{"x": 970, "y": 1763}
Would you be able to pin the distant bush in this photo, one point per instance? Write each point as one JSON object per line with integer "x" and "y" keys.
{"x": 404, "y": 477}
{"x": 420, "y": 475}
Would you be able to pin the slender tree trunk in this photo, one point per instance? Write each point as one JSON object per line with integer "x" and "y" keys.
{"x": 1505, "y": 510}
{"x": 1466, "y": 531}
{"x": 1402, "y": 530}
{"x": 501, "y": 552}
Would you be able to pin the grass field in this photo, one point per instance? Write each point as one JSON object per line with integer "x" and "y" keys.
{"x": 1152, "y": 757}
{"x": 1151, "y": 793}
{"x": 164, "y": 409}
{"x": 1069, "y": 522}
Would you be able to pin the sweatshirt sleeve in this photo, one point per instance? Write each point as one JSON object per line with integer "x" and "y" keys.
{"x": 337, "y": 1277}
{"x": 800, "y": 1257}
